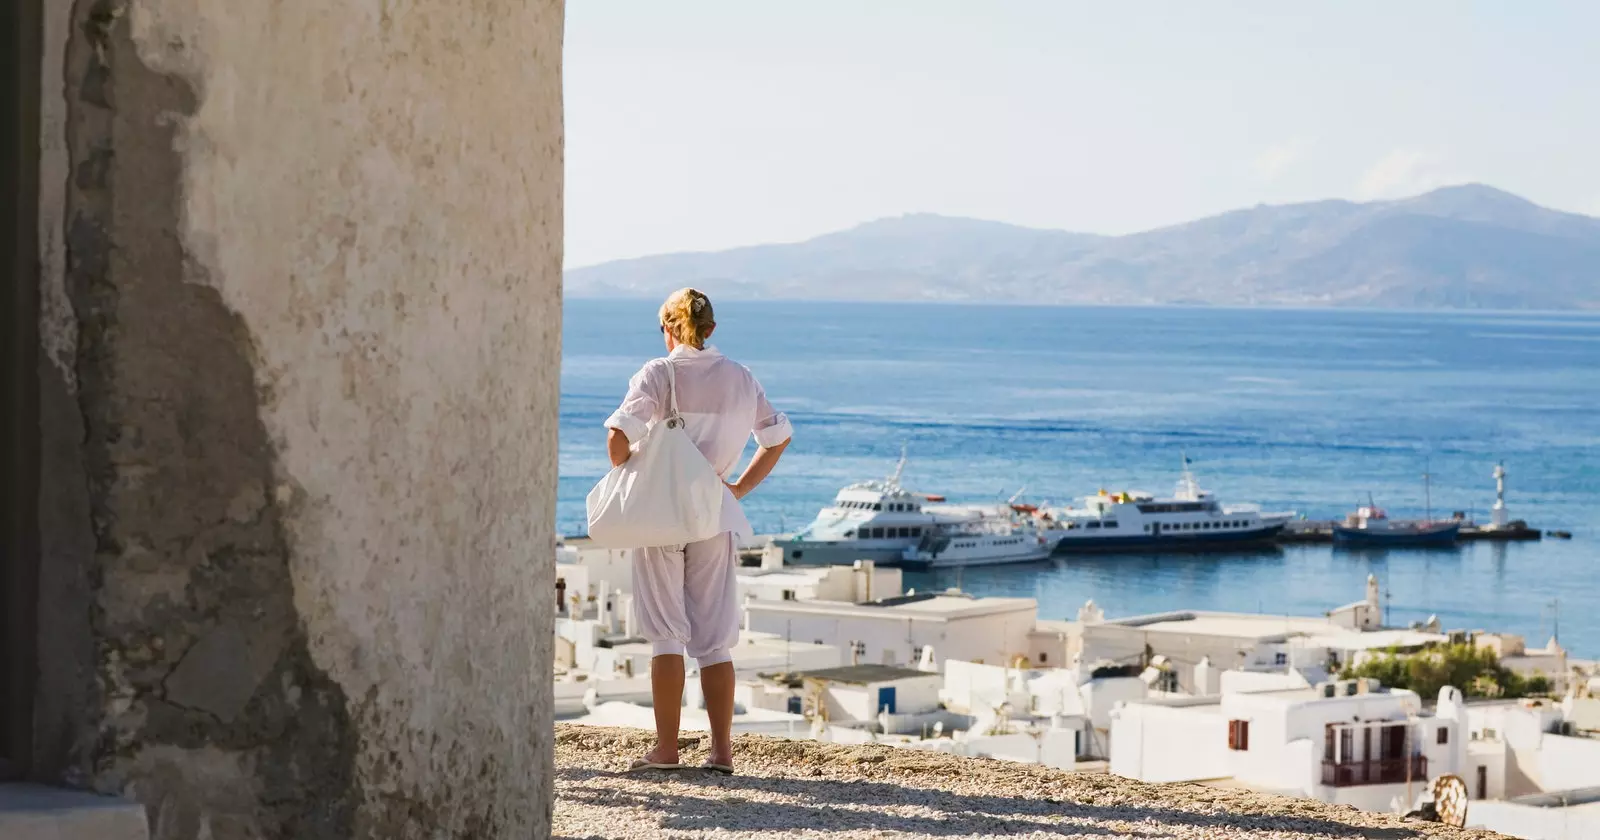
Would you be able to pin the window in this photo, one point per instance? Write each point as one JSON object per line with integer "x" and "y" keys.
{"x": 1043, "y": 658}
{"x": 877, "y": 505}
{"x": 1393, "y": 744}
{"x": 916, "y": 532}
{"x": 788, "y": 594}
{"x": 1091, "y": 525}
{"x": 1239, "y": 735}
{"x": 905, "y": 532}
{"x": 1147, "y": 529}
{"x": 1444, "y": 735}
{"x": 1280, "y": 659}
{"x": 1110, "y": 523}
{"x": 877, "y": 533}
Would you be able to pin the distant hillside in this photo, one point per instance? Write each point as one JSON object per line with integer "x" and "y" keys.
{"x": 1458, "y": 247}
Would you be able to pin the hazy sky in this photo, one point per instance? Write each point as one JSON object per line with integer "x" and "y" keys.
{"x": 701, "y": 125}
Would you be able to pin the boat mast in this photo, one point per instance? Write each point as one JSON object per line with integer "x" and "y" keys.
{"x": 1427, "y": 493}
{"x": 900, "y": 468}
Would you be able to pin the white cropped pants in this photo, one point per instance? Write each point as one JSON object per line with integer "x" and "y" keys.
{"x": 686, "y": 598}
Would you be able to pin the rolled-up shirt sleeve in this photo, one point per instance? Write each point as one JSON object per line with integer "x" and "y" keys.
{"x": 772, "y": 426}
{"x": 639, "y": 406}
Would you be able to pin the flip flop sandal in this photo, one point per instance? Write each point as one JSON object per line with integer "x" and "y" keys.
{"x": 646, "y": 764}
{"x": 724, "y": 769}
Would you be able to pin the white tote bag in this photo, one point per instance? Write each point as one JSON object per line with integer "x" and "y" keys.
{"x": 666, "y": 494}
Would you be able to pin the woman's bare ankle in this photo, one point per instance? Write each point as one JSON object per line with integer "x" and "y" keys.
{"x": 662, "y": 754}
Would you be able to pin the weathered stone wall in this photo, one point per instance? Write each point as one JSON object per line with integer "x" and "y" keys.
{"x": 300, "y": 377}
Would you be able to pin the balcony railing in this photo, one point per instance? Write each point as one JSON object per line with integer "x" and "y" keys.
{"x": 1383, "y": 771}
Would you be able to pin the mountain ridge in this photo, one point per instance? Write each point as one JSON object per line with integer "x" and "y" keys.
{"x": 1469, "y": 246}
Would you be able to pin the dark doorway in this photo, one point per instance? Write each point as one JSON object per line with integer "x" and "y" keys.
{"x": 20, "y": 35}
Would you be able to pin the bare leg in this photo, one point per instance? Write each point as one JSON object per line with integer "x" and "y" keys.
{"x": 666, "y": 691}
{"x": 716, "y": 682}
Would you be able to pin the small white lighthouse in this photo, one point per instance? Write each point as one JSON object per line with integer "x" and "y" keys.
{"x": 1497, "y": 519}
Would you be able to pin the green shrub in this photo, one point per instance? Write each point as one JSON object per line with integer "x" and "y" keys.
{"x": 1474, "y": 670}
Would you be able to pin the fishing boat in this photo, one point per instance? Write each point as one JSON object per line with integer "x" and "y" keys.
{"x": 1370, "y": 525}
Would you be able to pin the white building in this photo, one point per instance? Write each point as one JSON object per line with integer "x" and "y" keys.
{"x": 1561, "y": 815}
{"x": 694, "y": 719}
{"x": 756, "y": 653}
{"x": 1056, "y": 709}
{"x": 1526, "y": 747}
{"x": 856, "y": 584}
{"x": 1533, "y": 768}
{"x": 895, "y": 631}
{"x": 1350, "y": 743}
{"x": 1198, "y": 646}
{"x": 1549, "y": 662}
{"x": 612, "y": 565}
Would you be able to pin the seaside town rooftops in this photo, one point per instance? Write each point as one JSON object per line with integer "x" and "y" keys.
{"x": 1055, "y": 625}
{"x": 922, "y": 606}
{"x": 1205, "y": 705}
{"x": 1268, "y": 628}
{"x": 862, "y": 674}
{"x": 750, "y": 646}
{"x": 1232, "y": 625}
{"x": 847, "y": 675}
{"x": 1560, "y": 798}
{"x": 1376, "y": 639}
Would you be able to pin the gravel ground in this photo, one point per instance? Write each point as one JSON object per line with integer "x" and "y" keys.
{"x": 807, "y": 789}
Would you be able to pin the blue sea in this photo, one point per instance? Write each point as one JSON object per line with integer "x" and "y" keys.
{"x": 1302, "y": 410}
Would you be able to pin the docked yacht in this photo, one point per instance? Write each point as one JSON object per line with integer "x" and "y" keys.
{"x": 875, "y": 520}
{"x": 987, "y": 542}
{"x": 1191, "y": 519}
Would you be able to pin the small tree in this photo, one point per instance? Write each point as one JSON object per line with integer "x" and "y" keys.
{"x": 1474, "y": 670}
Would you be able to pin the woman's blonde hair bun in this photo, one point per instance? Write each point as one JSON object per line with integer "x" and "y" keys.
{"x": 687, "y": 315}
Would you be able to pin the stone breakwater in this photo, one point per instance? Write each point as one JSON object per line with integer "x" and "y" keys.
{"x": 809, "y": 789}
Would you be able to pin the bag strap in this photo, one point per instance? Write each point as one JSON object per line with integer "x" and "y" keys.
{"x": 672, "y": 393}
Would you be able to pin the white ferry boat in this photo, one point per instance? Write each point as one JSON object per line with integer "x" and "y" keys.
{"x": 878, "y": 521}
{"x": 985, "y": 543}
{"x": 1192, "y": 519}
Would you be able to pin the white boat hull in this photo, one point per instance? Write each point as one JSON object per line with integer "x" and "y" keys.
{"x": 842, "y": 552}
{"x": 951, "y": 561}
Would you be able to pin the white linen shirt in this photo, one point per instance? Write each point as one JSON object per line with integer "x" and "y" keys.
{"x": 721, "y": 403}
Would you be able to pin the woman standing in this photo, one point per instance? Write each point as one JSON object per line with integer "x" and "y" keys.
{"x": 686, "y": 596}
